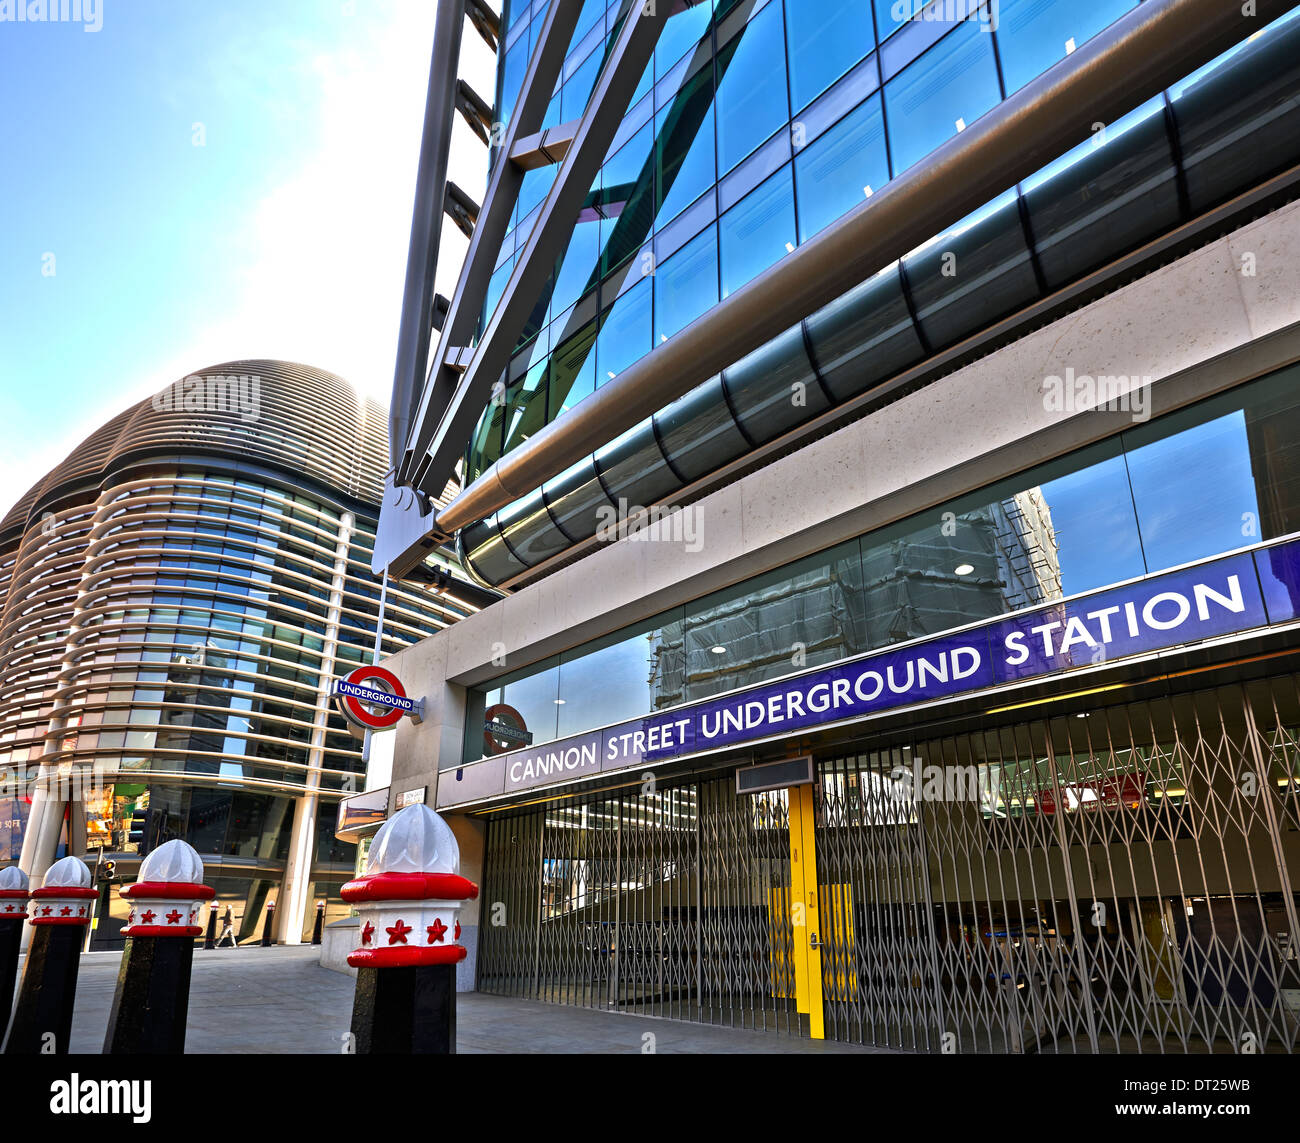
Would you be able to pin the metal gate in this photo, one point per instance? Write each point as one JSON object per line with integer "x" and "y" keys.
{"x": 674, "y": 902}
{"x": 1115, "y": 880}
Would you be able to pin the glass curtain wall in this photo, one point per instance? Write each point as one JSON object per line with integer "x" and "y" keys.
{"x": 1216, "y": 476}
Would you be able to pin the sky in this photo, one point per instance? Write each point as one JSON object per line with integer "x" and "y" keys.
{"x": 201, "y": 181}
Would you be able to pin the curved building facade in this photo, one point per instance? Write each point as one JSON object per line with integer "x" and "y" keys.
{"x": 176, "y": 599}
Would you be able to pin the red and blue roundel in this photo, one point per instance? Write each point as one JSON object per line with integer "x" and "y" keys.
{"x": 372, "y": 698}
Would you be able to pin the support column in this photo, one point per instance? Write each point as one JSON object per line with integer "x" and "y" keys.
{"x": 151, "y": 1004}
{"x": 42, "y": 1019}
{"x": 409, "y": 902}
{"x": 291, "y": 905}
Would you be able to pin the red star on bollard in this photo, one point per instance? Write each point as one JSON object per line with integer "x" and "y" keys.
{"x": 397, "y": 933}
{"x": 147, "y": 916}
{"x": 174, "y": 917}
{"x": 456, "y": 936}
{"x": 367, "y": 933}
{"x": 66, "y": 911}
{"x": 436, "y": 932}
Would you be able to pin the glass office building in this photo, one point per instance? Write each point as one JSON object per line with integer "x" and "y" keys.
{"x": 176, "y": 599}
{"x": 927, "y": 675}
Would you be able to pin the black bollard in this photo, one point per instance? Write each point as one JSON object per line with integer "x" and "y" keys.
{"x": 210, "y": 940}
{"x": 318, "y": 929}
{"x": 405, "y": 1001}
{"x": 268, "y": 927}
{"x": 13, "y": 915}
{"x": 151, "y": 1004}
{"x": 61, "y": 908}
{"x": 408, "y": 1011}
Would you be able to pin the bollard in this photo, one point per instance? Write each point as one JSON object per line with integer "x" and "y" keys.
{"x": 151, "y": 1004}
{"x": 13, "y": 915}
{"x": 408, "y": 902}
{"x": 42, "y": 1020}
{"x": 318, "y": 928}
{"x": 210, "y": 940}
{"x": 268, "y": 928}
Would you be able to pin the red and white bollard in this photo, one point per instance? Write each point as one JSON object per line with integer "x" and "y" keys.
{"x": 60, "y": 911}
{"x": 151, "y": 1005}
{"x": 409, "y": 903}
{"x": 13, "y": 915}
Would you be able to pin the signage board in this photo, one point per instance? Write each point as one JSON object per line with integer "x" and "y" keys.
{"x": 374, "y": 699}
{"x": 1221, "y": 597}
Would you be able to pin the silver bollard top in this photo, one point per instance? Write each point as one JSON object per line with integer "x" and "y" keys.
{"x": 414, "y": 840}
{"x": 67, "y": 873}
{"x": 13, "y": 880}
{"x": 174, "y": 862}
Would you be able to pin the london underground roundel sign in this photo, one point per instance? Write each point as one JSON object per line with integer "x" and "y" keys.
{"x": 372, "y": 698}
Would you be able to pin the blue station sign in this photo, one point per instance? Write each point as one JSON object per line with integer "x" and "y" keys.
{"x": 1222, "y": 597}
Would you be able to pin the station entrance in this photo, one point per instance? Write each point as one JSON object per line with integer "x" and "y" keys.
{"x": 1117, "y": 879}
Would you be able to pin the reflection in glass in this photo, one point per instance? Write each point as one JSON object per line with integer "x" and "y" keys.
{"x": 835, "y": 172}
{"x": 931, "y": 100}
{"x": 758, "y": 231}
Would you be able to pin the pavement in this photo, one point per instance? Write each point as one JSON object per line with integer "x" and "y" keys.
{"x": 280, "y": 1000}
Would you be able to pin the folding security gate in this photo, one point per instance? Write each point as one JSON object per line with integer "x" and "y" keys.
{"x": 1114, "y": 880}
{"x": 672, "y": 902}
{"x": 1120, "y": 880}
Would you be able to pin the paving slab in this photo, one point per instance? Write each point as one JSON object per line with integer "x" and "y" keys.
{"x": 280, "y": 1000}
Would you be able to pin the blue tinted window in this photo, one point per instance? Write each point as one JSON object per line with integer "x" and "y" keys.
{"x": 578, "y": 271}
{"x": 525, "y": 407}
{"x": 752, "y": 101}
{"x": 684, "y": 149}
{"x": 627, "y": 187}
{"x": 953, "y": 84}
{"x": 573, "y": 371}
{"x": 1195, "y": 492}
{"x": 835, "y": 172}
{"x": 578, "y": 88}
{"x": 824, "y": 41}
{"x": 533, "y": 188}
{"x": 1034, "y": 34}
{"x": 496, "y": 287}
{"x": 592, "y": 10}
{"x": 686, "y": 284}
{"x": 757, "y": 231}
{"x": 681, "y": 34}
{"x": 512, "y": 76}
{"x": 1090, "y": 517}
{"x": 622, "y": 676}
{"x": 624, "y": 333}
{"x": 890, "y": 15}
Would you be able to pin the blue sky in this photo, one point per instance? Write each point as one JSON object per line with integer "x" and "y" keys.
{"x": 214, "y": 180}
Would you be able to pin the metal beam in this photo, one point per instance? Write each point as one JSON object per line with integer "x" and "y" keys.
{"x": 486, "y": 22}
{"x": 546, "y": 148}
{"x": 605, "y": 109}
{"x": 476, "y": 113}
{"x": 544, "y": 67}
{"x": 461, "y": 209}
{"x": 1145, "y": 51}
{"x": 426, "y": 223}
